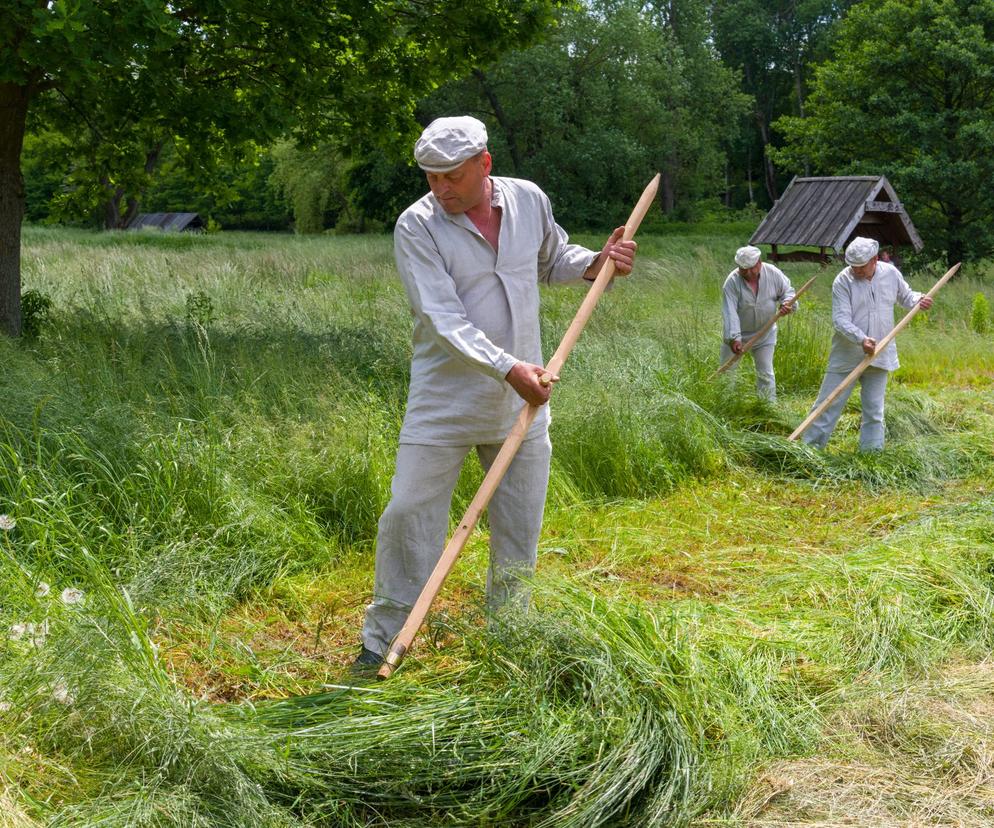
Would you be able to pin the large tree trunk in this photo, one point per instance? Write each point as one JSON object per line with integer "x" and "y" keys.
{"x": 114, "y": 218}
{"x": 112, "y": 206}
{"x": 13, "y": 118}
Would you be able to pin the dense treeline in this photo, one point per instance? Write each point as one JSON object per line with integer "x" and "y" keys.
{"x": 727, "y": 98}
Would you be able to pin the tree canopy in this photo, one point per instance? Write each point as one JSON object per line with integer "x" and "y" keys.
{"x": 909, "y": 92}
{"x": 129, "y": 77}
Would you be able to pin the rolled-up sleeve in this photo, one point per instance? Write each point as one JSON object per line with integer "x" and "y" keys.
{"x": 786, "y": 292}
{"x": 731, "y": 327}
{"x": 558, "y": 260}
{"x": 842, "y": 313}
{"x": 434, "y": 300}
{"x": 906, "y": 297}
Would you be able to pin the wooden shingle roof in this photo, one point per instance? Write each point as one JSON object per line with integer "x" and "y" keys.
{"x": 829, "y": 212}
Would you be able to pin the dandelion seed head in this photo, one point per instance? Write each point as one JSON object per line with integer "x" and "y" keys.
{"x": 5, "y": 706}
{"x": 42, "y": 590}
{"x": 7, "y": 523}
{"x": 72, "y": 595}
{"x": 17, "y": 631}
{"x": 62, "y": 695}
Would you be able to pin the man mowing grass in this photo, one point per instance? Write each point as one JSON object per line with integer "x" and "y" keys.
{"x": 471, "y": 254}
{"x": 751, "y": 295}
{"x": 863, "y": 299}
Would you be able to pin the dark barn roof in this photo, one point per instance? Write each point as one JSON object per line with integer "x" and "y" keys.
{"x": 167, "y": 221}
{"x": 830, "y": 212}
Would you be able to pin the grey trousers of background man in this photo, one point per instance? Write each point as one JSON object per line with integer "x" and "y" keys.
{"x": 762, "y": 356}
{"x": 873, "y": 385}
{"x": 413, "y": 528}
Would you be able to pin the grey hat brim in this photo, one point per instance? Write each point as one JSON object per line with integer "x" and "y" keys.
{"x": 446, "y": 169}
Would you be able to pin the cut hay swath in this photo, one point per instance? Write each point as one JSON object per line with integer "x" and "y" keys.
{"x": 512, "y": 443}
{"x": 750, "y": 343}
{"x": 868, "y": 359}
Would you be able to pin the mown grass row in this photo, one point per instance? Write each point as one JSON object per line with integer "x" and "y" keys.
{"x": 587, "y": 712}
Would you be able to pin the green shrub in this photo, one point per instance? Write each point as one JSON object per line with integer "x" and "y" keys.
{"x": 980, "y": 314}
{"x": 200, "y": 308}
{"x": 35, "y": 313}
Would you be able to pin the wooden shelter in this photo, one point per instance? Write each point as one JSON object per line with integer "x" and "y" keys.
{"x": 828, "y": 213}
{"x": 168, "y": 222}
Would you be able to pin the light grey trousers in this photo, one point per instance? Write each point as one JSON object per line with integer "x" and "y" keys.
{"x": 762, "y": 357}
{"x": 872, "y": 388}
{"x": 413, "y": 528}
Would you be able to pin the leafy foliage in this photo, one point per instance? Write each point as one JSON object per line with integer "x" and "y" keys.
{"x": 619, "y": 91}
{"x": 907, "y": 94}
{"x": 36, "y": 309}
{"x": 130, "y": 81}
{"x": 773, "y": 44}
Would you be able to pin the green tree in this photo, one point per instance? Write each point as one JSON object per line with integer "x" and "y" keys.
{"x": 235, "y": 193}
{"x": 619, "y": 91}
{"x": 909, "y": 93}
{"x": 772, "y": 43}
{"x": 132, "y": 76}
{"x": 312, "y": 181}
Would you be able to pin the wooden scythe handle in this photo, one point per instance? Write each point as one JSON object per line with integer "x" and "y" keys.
{"x": 859, "y": 369}
{"x": 401, "y": 644}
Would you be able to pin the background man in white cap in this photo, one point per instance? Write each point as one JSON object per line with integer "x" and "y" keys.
{"x": 753, "y": 293}
{"x": 471, "y": 254}
{"x": 863, "y": 299}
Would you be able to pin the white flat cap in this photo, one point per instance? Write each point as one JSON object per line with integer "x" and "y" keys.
{"x": 861, "y": 250}
{"x": 747, "y": 256}
{"x": 447, "y": 142}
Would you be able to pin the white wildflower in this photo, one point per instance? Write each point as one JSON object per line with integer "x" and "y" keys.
{"x": 42, "y": 590}
{"x": 72, "y": 595}
{"x": 7, "y": 523}
{"x": 17, "y": 631}
{"x": 5, "y": 706}
{"x": 62, "y": 695}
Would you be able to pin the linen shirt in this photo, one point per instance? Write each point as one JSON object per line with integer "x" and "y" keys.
{"x": 476, "y": 311}
{"x": 864, "y": 308}
{"x": 744, "y": 312}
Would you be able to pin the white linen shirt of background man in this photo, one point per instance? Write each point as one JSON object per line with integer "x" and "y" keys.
{"x": 476, "y": 311}
{"x": 864, "y": 308}
{"x": 744, "y": 312}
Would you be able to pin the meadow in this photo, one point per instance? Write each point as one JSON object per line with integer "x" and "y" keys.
{"x": 728, "y": 629}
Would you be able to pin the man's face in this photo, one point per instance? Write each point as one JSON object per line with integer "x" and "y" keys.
{"x": 865, "y": 271}
{"x": 464, "y": 187}
{"x": 751, "y": 272}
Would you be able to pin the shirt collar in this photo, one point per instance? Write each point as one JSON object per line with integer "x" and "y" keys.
{"x": 496, "y": 200}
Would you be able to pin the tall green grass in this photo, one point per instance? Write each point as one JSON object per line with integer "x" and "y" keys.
{"x": 171, "y": 466}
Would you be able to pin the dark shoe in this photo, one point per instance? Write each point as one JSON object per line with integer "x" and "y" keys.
{"x": 367, "y": 663}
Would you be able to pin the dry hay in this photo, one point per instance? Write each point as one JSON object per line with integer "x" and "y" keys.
{"x": 919, "y": 758}
{"x": 11, "y": 815}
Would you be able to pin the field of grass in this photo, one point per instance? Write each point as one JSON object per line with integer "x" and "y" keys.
{"x": 728, "y": 629}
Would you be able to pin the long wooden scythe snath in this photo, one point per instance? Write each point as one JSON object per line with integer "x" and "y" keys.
{"x": 859, "y": 369}
{"x": 728, "y": 363}
{"x": 405, "y": 637}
